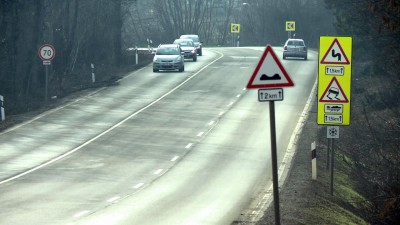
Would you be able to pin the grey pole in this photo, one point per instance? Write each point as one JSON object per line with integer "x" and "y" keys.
{"x": 274, "y": 161}
{"x": 332, "y": 165}
{"x": 46, "y": 83}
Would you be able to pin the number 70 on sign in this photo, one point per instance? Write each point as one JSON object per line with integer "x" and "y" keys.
{"x": 47, "y": 52}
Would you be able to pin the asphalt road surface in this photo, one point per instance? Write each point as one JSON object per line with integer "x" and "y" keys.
{"x": 157, "y": 148}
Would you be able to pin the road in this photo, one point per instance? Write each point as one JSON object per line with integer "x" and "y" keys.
{"x": 158, "y": 148}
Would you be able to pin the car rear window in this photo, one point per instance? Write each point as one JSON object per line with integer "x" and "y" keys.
{"x": 295, "y": 43}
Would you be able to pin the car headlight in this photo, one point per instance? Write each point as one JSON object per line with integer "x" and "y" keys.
{"x": 156, "y": 60}
{"x": 178, "y": 59}
{"x": 193, "y": 51}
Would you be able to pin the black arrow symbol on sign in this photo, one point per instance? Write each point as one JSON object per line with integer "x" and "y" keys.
{"x": 336, "y": 55}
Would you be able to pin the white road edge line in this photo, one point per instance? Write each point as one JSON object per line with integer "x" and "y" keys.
{"x": 113, "y": 199}
{"x": 174, "y": 159}
{"x": 158, "y": 171}
{"x": 80, "y": 214}
{"x": 189, "y": 145}
{"x": 111, "y": 128}
{"x": 137, "y": 186}
{"x": 200, "y": 134}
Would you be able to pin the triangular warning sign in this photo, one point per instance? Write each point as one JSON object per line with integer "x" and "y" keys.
{"x": 335, "y": 54}
{"x": 334, "y": 93}
{"x": 269, "y": 72}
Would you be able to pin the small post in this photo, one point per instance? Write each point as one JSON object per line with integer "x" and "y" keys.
{"x": 327, "y": 153}
{"x": 136, "y": 55}
{"x": 332, "y": 166}
{"x": 148, "y": 44}
{"x": 2, "y": 113}
{"x": 151, "y": 46}
{"x": 46, "y": 84}
{"x": 93, "y": 75}
{"x": 314, "y": 160}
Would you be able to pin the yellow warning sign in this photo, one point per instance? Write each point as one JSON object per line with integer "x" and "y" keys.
{"x": 235, "y": 28}
{"x": 290, "y": 26}
{"x": 334, "y": 80}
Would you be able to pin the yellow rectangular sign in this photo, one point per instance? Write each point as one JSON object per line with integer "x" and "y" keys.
{"x": 290, "y": 26}
{"x": 334, "y": 80}
{"x": 235, "y": 28}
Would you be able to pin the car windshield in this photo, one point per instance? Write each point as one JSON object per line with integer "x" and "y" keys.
{"x": 185, "y": 43}
{"x": 295, "y": 43}
{"x": 194, "y": 38}
{"x": 167, "y": 51}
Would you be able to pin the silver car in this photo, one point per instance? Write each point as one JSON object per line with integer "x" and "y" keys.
{"x": 168, "y": 57}
{"x": 295, "y": 48}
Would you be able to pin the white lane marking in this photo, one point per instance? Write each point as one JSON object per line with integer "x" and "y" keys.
{"x": 230, "y": 104}
{"x": 238, "y": 96}
{"x": 244, "y": 89}
{"x": 174, "y": 159}
{"x": 221, "y": 113}
{"x": 189, "y": 145}
{"x": 200, "y": 134}
{"x": 211, "y": 122}
{"x": 158, "y": 171}
{"x": 80, "y": 214}
{"x": 113, "y": 199}
{"x": 244, "y": 67}
{"x": 109, "y": 129}
{"x": 138, "y": 185}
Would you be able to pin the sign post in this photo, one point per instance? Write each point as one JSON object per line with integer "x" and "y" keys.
{"x": 2, "y": 113}
{"x": 270, "y": 73}
{"x": 290, "y": 26}
{"x": 46, "y": 53}
{"x": 235, "y": 29}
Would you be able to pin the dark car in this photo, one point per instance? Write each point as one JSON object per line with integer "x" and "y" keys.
{"x": 168, "y": 57}
{"x": 188, "y": 48}
{"x": 295, "y": 48}
{"x": 195, "y": 38}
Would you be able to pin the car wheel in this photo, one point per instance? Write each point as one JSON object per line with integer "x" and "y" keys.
{"x": 182, "y": 69}
{"x": 305, "y": 58}
{"x": 155, "y": 70}
{"x": 284, "y": 57}
{"x": 194, "y": 59}
{"x": 200, "y": 53}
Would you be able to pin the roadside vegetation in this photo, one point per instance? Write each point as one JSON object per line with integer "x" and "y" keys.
{"x": 100, "y": 32}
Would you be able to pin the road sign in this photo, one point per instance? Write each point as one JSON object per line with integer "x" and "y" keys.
{"x": 47, "y": 52}
{"x": 332, "y": 132}
{"x": 265, "y": 95}
{"x": 334, "y": 80}
{"x": 333, "y": 93}
{"x": 269, "y": 72}
{"x": 335, "y": 54}
{"x": 290, "y": 26}
{"x": 235, "y": 28}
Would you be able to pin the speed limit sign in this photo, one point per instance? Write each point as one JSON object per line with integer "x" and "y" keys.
{"x": 47, "y": 52}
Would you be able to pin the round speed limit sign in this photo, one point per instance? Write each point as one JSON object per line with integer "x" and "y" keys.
{"x": 47, "y": 52}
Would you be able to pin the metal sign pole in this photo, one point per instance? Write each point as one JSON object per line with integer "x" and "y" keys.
{"x": 274, "y": 161}
{"x": 46, "y": 83}
{"x": 332, "y": 164}
{"x": 327, "y": 153}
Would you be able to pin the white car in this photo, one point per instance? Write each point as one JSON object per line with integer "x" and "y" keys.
{"x": 168, "y": 57}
